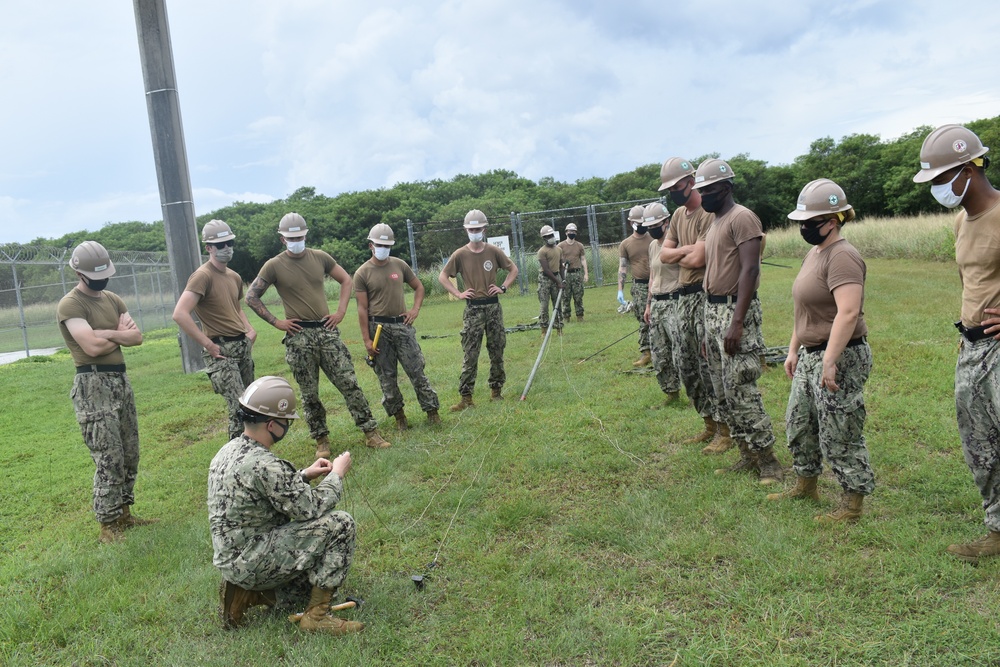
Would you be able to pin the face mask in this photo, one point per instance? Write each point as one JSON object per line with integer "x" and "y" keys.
{"x": 656, "y": 232}
{"x": 678, "y": 197}
{"x": 639, "y": 229}
{"x": 475, "y": 237}
{"x": 296, "y": 247}
{"x": 278, "y": 438}
{"x": 97, "y": 285}
{"x": 811, "y": 233}
{"x": 224, "y": 255}
{"x": 713, "y": 201}
{"x": 381, "y": 254}
{"x": 571, "y": 237}
{"x": 944, "y": 194}
{"x": 550, "y": 240}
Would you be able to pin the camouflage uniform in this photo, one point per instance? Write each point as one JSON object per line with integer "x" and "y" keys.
{"x": 691, "y": 365}
{"x": 640, "y": 293}
{"x": 230, "y": 376}
{"x": 549, "y": 291}
{"x": 573, "y": 292}
{"x": 105, "y": 410}
{"x": 662, "y": 333}
{"x": 398, "y": 343}
{"x": 977, "y": 403}
{"x": 734, "y": 378}
{"x": 269, "y": 526}
{"x": 313, "y": 348}
{"x": 826, "y": 423}
{"x": 476, "y": 321}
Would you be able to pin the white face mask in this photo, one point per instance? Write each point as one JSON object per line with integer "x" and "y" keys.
{"x": 944, "y": 194}
{"x": 224, "y": 255}
{"x": 381, "y": 253}
{"x": 296, "y": 247}
{"x": 475, "y": 237}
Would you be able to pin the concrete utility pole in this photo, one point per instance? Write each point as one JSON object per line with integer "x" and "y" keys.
{"x": 170, "y": 155}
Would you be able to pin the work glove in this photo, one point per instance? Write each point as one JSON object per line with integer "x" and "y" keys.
{"x": 621, "y": 297}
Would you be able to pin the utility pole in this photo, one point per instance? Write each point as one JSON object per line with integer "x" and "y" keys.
{"x": 170, "y": 156}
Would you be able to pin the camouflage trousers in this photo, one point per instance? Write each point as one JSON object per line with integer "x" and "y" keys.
{"x": 105, "y": 410}
{"x": 821, "y": 423}
{"x": 734, "y": 378}
{"x": 549, "y": 292}
{"x": 573, "y": 291}
{"x": 691, "y": 364}
{"x": 977, "y": 404}
{"x": 662, "y": 333}
{"x": 398, "y": 346}
{"x": 230, "y": 376}
{"x": 477, "y": 321}
{"x": 320, "y": 548}
{"x": 314, "y": 348}
{"x": 640, "y": 293}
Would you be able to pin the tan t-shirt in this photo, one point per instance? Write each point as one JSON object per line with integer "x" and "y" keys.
{"x": 384, "y": 286}
{"x": 687, "y": 229}
{"x": 635, "y": 252}
{"x": 478, "y": 269}
{"x": 299, "y": 281}
{"x": 572, "y": 252}
{"x": 663, "y": 278}
{"x": 100, "y": 312}
{"x": 977, "y": 251}
{"x": 219, "y": 306}
{"x": 722, "y": 254}
{"x": 553, "y": 255}
{"x": 812, "y": 291}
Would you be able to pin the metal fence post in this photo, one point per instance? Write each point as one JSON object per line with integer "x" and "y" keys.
{"x": 517, "y": 227}
{"x": 20, "y": 311}
{"x": 138, "y": 301}
{"x": 595, "y": 246}
{"x": 413, "y": 245}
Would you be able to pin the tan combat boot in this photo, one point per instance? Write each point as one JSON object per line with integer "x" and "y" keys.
{"x": 849, "y": 509}
{"x": 746, "y": 463}
{"x": 671, "y": 398}
{"x": 985, "y": 547}
{"x": 495, "y": 394}
{"x": 401, "y": 423}
{"x": 466, "y": 402}
{"x": 721, "y": 443}
{"x": 710, "y": 428}
{"x": 375, "y": 440}
{"x": 433, "y": 417}
{"x": 235, "y": 601}
{"x": 317, "y": 616}
{"x": 111, "y": 532}
{"x": 805, "y": 487}
{"x": 128, "y": 520}
{"x": 769, "y": 466}
{"x": 644, "y": 360}
{"x": 323, "y": 447}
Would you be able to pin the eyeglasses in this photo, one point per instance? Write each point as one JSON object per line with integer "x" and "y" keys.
{"x": 223, "y": 244}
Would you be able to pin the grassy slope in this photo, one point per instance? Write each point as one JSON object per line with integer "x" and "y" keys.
{"x": 568, "y": 529}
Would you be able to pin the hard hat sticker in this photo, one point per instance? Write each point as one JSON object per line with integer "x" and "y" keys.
{"x": 834, "y": 199}
{"x": 959, "y": 146}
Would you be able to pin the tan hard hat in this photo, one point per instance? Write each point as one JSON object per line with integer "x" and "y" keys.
{"x": 654, "y": 214}
{"x": 546, "y": 230}
{"x": 712, "y": 171}
{"x": 475, "y": 219}
{"x": 635, "y": 214}
{"x": 216, "y": 231}
{"x": 382, "y": 235}
{"x": 945, "y": 148}
{"x": 571, "y": 227}
{"x": 820, "y": 197}
{"x": 292, "y": 225}
{"x": 92, "y": 260}
{"x": 271, "y": 396}
{"x": 673, "y": 170}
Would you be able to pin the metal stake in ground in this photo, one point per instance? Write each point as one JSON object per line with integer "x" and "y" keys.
{"x": 545, "y": 341}
{"x": 631, "y": 333}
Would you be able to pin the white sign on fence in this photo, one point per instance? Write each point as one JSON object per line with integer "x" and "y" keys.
{"x": 502, "y": 242}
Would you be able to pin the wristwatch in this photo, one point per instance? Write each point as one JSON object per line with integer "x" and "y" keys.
{"x": 503, "y": 288}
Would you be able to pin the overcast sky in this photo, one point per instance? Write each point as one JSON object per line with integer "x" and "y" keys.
{"x": 342, "y": 96}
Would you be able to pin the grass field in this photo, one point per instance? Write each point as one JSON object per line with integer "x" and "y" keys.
{"x": 567, "y": 529}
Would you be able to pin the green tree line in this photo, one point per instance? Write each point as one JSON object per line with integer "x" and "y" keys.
{"x": 875, "y": 174}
